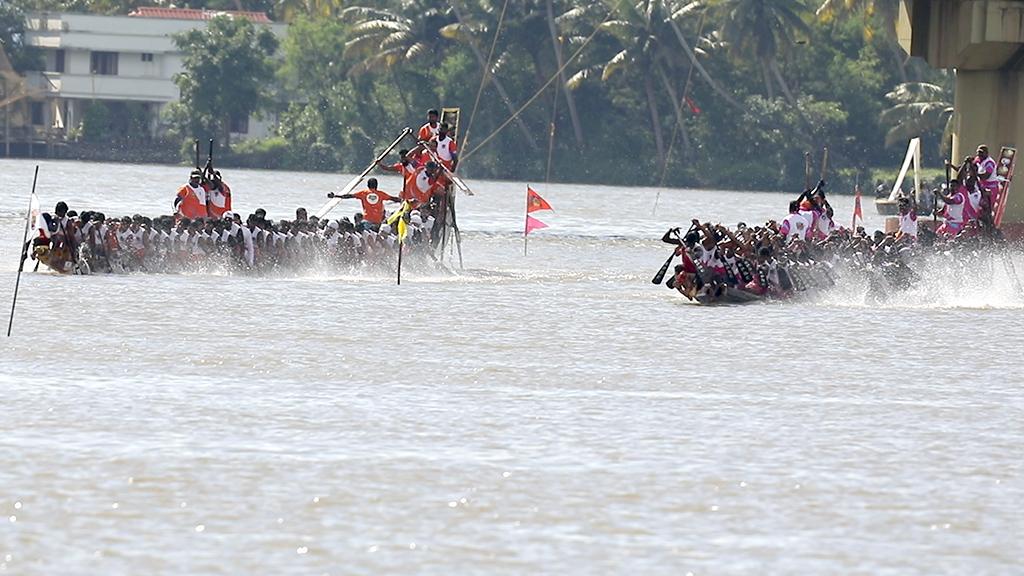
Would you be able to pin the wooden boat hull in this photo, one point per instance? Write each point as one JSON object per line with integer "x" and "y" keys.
{"x": 886, "y": 207}
{"x": 729, "y": 295}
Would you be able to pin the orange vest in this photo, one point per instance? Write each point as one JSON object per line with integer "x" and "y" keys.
{"x": 193, "y": 202}
{"x": 219, "y": 201}
{"x": 418, "y": 186}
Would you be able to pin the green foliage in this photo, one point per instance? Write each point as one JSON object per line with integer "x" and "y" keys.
{"x": 12, "y": 39}
{"x": 227, "y": 74}
{"x": 96, "y": 123}
{"x": 763, "y": 81}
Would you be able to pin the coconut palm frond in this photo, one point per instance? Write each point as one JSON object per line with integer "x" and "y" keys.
{"x": 616, "y": 63}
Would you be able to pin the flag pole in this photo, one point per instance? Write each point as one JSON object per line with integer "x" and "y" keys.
{"x": 526, "y": 220}
{"x": 401, "y": 246}
{"x": 21, "y": 253}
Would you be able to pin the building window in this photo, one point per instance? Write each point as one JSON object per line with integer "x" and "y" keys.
{"x": 58, "y": 62}
{"x": 37, "y": 114}
{"x": 147, "y": 57}
{"x": 104, "y": 63}
{"x": 240, "y": 124}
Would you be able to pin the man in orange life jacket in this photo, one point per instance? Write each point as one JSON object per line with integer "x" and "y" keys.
{"x": 218, "y": 196}
{"x": 429, "y": 130}
{"x": 191, "y": 199}
{"x": 372, "y": 200}
{"x": 422, "y": 184}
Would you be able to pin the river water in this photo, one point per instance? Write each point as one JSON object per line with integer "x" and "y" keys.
{"x": 554, "y": 414}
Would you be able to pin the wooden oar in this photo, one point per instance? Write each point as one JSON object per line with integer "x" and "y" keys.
{"x": 664, "y": 267}
{"x": 807, "y": 170}
{"x": 333, "y": 202}
{"x": 24, "y": 248}
{"x": 824, "y": 162}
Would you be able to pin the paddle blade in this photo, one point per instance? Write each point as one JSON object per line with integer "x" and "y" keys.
{"x": 664, "y": 269}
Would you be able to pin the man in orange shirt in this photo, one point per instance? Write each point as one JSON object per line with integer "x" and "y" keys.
{"x": 404, "y": 166}
{"x": 191, "y": 199}
{"x": 422, "y": 184}
{"x": 372, "y": 200}
{"x": 429, "y": 130}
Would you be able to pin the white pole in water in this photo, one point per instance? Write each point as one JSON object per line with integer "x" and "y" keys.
{"x": 21, "y": 253}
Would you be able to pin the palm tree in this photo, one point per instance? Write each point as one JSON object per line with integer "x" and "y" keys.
{"x": 879, "y": 16}
{"x": 289, "y": 10}
{"x": 384, "y": 40}
{"x": 765, "y": 30}
{"x": 467, "y": 30}
{"x": 917, "y": 108}
{"x": 643, "y": 32}
{"x": 556, "y": 44}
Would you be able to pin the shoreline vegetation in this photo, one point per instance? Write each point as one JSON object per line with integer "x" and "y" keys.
{"x": 617, "y": 92}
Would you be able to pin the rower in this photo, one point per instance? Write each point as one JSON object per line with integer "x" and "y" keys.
{"x": 953, "y": 213}
{"x": 794, "y": 226}
{"x": 429, "y": 130}
{"x": 190, "y": 201}
{"x": 908, "y": 220}
{"x": 372, "y": 200}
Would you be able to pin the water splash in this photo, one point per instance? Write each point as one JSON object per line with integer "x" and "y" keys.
{"x": 987, "y": 279}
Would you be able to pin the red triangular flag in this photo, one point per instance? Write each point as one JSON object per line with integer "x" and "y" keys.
{"x": 533, "y": 224}
{"x": 693, "y": 107}
{"x": 534, "y": 202}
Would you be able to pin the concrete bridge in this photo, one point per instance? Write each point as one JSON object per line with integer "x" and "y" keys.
{"x": 984, "y": 41}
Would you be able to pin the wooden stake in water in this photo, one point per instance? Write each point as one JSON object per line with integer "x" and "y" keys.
{"x": 21, "y": 253}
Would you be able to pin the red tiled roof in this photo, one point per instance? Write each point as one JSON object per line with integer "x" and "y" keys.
{"x": 196, "y": 14}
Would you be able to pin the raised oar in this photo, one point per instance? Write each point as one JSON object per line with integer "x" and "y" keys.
{"x": 664, "y": 267}
{"x": 807, "y": 170}
{"x": 24, "y": 247}
{"x": 333, "y": 202}
{"x": 824, "y": 162}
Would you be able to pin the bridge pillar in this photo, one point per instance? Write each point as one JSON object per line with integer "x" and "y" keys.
{"x": 984, "y": 41}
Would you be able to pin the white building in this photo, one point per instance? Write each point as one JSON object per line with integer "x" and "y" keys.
{"x": 118, "y": 60}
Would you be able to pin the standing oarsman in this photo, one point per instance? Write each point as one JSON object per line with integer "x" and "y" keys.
{"x": 372, "y": 200}
{"x": 421, "y": 185}
{"x": 219, "y": 196}
{"x": 446, "y": 149}
{"x": 429, "y": 130}
{"x": 987, "y": 176}
{"x": 191, "y": 199}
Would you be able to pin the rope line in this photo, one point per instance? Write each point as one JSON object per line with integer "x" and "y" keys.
{"x": 541, "y": 90}
{"x": 486, "y": 73}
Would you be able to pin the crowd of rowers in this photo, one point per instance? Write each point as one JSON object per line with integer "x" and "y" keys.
{"x": 204, "y": 233}
{"x": 803, "y": 251}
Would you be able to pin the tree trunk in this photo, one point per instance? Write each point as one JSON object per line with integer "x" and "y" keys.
{"x": 401, "y": 93}
{"x": 569, "y": 99}
{"x": 527, "y": 136}
{"x": 652, "y": 104}
{"x": 774, "y": 66}
{"x": 700, "y": 68}
{"x": 769, "y": 90}
{"x": 677, "y": 108}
